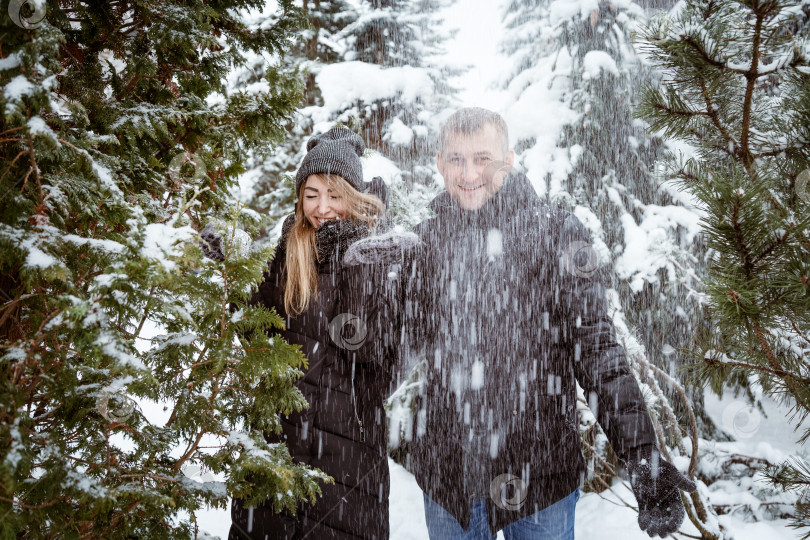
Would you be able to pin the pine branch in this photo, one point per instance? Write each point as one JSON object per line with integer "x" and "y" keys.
{"x": 698, "y": 48}
{"x": 693, "y": 429}
{"x": 799, "y": 332}
{"x": 790, "y": 380}
{"x": 773, "y": 245}
{"x": 779, "y": 373}
{"x": 10, "y": 165}
{"x": 715, "y": 118}
{"x": 751, "y": 79}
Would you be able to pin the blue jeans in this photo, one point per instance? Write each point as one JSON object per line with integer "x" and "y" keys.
{"x": 553, "y": 523}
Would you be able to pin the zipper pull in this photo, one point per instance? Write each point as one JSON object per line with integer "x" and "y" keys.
{"x": 362, "y": 432}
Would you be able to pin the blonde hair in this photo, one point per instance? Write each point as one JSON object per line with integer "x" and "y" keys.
{"x": 300, "y": 274}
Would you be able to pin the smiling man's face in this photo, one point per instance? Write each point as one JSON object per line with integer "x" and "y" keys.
{"x": 467, "y": 162}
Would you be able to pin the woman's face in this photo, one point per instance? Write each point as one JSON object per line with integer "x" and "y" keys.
{"x": 321, "y": 203}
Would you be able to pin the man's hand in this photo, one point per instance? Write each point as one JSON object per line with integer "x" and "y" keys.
{"x": 656, "y": 484}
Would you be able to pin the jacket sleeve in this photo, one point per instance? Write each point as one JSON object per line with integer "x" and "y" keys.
{"x": 600, "y": 364}
{"x": 417, "y": 300}
{"x": 366, "y": 326}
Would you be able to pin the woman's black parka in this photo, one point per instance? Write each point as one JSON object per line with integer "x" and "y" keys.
{"x": 346, "y": 337}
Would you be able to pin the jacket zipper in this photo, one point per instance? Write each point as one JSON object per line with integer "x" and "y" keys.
{"x": 354, "y": 406}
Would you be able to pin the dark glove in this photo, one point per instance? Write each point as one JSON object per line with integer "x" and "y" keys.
{"x": 656, "y": 484}
{"x": 211, "y": 243}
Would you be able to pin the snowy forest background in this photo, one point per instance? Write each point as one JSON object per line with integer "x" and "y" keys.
{"x": 128, "y": 405}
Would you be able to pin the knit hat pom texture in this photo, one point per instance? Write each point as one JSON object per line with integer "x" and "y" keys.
{"x": 338, "y": 152}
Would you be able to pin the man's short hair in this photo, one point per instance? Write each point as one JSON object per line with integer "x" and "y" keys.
{"x": 469, "y": 120}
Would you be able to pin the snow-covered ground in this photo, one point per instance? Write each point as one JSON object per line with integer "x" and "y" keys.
{"x": 605, "y": 516}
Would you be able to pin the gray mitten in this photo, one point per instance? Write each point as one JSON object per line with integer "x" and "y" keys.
{"x": 389, "y": 247}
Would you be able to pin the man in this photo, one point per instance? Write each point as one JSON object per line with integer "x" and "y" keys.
{"x": 504, "y": 297}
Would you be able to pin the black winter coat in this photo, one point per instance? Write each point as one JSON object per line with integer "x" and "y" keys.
{"x": 512, "y": 314}
{"x": 345, "y": 337}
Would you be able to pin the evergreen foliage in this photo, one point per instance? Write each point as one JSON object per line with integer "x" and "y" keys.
{"x": 737, "y": 89}
{"x": 345, "y": 35}
{"x": 404, "y": 35}
{"x": 119, "y": 140}
{"x": 271, "y": 171}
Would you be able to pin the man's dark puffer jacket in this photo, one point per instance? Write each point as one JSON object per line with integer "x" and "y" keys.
{"x": 512, "y": 313}
{"x": 346, "y": 338}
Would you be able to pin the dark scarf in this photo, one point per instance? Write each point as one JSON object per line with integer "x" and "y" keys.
{"x": 332, "y": 239}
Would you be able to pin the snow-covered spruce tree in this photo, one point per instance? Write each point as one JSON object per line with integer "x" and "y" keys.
{"x": 651, "y": 237}
{"x": 111, "y": 158}
{"x": 403, "y": 35}
{"x": 368, "y": 66}
{"x": 613, "y": 158}
{"x": 591, "y": 157}
{"x": 390, "y": 89}
{"x": 270, "y": 173}
{"x": 737, "y": 89}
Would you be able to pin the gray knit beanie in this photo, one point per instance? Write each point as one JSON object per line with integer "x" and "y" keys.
{"x": 338, "y": 152}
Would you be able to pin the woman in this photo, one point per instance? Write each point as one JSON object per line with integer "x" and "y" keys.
{"x": 336, "y": 314}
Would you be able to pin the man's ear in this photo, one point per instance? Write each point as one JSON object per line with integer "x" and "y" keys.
{"x": 439, "y": 163}
{"x": 509, "y": 158}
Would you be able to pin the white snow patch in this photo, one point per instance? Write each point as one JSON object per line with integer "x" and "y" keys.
{"x": 9, "y": 62}
{"x": 18, "y": 88}
{"x": 347, "y": 82}
{"x": 398, "y": 133}
{"x": 477, "y": 375}
{"x": 37, "y": 126}
{"x": 494, "y": 243}
{"x": 37, "y": 258}
{"x": 375, "y": 164}
{"x": 161, "y": 242}
{"x": 597, "y": 61}
{"x": 106, "y": 178}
